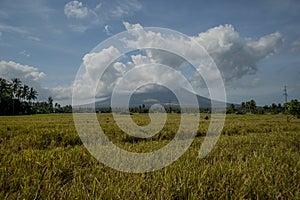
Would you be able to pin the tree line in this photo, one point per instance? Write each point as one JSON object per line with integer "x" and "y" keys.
{"x": 17, "y": 99}
{"x": 292, "y": 109}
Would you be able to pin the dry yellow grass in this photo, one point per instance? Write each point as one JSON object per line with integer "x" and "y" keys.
{"x": 258, "y": 156}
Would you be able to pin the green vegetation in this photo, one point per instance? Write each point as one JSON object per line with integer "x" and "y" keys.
{"x": 18, "y": 99}
{"x": 257, "y": 157}
{"x": 15, "y": 98}
{"x": 293, "y": 108}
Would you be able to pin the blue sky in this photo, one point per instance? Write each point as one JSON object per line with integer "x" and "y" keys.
{"x": 44, "y": 42}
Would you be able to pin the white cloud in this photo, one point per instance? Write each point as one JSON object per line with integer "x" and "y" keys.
{"x": 93, "y": 64}
{"x": 98, "y": 6}
{"x": 140, "y": 60}
{"x": 234, "y": 55}
{"x": 29, "y": 75}
{"x": 76, "y": 9}
{"x": 129, "y": 26}
{"x": 295, "y": 45}
{"x": 33, "y": 38}
{"x": 12, "y": 29}
{"x": 100, "y": 14}
{"x": 107, "y": 29}
{"x": 17, "y": 30}
{"x": 237, "y": 56}
{"x": 24, "y": 53}
{"x": 124, "y": 8}
{"x": 61, "y": 94}
{"x": 12, "y": 70}
{"x": 78, "y": 28}
{"x": 32, "y": 77}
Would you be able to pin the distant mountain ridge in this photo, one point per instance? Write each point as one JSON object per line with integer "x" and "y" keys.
{"x": 164, "y": 97}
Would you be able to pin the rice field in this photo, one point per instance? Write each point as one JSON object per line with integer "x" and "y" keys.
{"x": 256, "y": 157}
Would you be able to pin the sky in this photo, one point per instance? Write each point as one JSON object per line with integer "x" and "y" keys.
{"x": 254, "y": 44}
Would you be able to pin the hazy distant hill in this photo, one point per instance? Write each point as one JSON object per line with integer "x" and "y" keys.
{"x": 163, "y": 97}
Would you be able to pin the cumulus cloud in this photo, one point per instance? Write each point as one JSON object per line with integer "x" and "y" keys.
{"x": 29, "y": 75}
{"x": 129, "y": 26}
{"x": 76, "y": 9}
{"x": 12, "y": 70}
{"x": 234, "y": 55}
{"x": 93, "y": 64}
{"x": 32, "y": 77}
{"x": 61, "y": 94}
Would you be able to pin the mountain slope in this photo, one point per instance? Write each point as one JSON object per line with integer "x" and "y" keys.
{"x": 163, "y": 96}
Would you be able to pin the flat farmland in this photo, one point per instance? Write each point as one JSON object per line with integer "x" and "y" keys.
{"x": 256, "y": 157}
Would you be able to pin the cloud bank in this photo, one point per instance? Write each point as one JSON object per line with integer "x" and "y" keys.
{"x": 29, "y": 75}
{"x": 25, "y": 72}
{"x": 235, "y": 56}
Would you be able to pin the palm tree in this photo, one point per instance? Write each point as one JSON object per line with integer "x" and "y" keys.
{"x": 5, "y": 86}
{"x": 50, "y": 104}
{"x": 6, "y": 96}
{"x": 32, "y": 95}
{"x": 252, "y": 105}
{"x": 243, "y": 105}
{"x": 248, "y": 106}
{"x": 16, "y": 83}
{"x": 19, "y": 92}
{"x": 25, "y": 91}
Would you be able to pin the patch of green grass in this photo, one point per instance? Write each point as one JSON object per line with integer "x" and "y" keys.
{"x": 257, "y": 157}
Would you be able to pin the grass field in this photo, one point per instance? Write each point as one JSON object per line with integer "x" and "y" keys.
{"x": 257, "y": 157}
